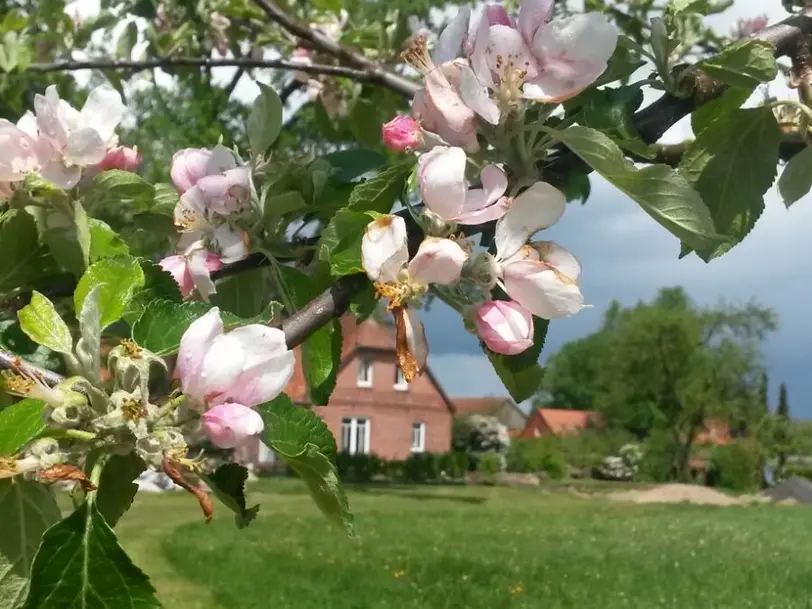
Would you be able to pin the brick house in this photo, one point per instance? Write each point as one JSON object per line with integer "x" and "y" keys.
{"x": 372, "y": 410}
{"x": 504, "y": 409}
{"x": 558, "y": 422}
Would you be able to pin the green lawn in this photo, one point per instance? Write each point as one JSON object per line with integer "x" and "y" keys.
{"x": 477, "y": 548}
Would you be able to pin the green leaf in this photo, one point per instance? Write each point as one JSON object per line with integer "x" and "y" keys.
{"x": 681, "y": 6}
{"x": 161, "y": 326}
{"x": 104, "y": 242}
{"x": 796, "y": 180}
{"x": 27, "y": 509}
{"x": 746, "y": 63}
{"x": 68, "y": 238}
{"x": 158, "y": 285}
{"x": 119, "y": 279}
{"x": 732, "y": 179}
{"x": 24, "y": 259}
{"x": 265, "y": 120}
{"x": 165, "y": 199}
{"x": 13, "y": 339}
{"x": 662, "y": 193}
{"x": 328, "y": 5}
{"x": 127, "y": 40}
{"x": 80, "y": 564}
{"x": 228, "y": 483}
{"x": 521, "y": 374}
{"x": 19, "y": 424}
{"x": 303, "y": 440}
{"x": 718, "y": 109}
{"x": 122, "y": 185}
{"x": 611, "y": 111}
{"x": 88, "y": 348}
{"x": 352, "y": 164}
{"x": 340, "y": 243}
{"x": 116, "y": 487}
{"x": 279, "y": 205}
{"x": 40, "y": 321}
{"x": 363, "y": 301}
{"x": 365, "y": 131}
{"x": 245, "y": 294}
{"x": 380, "y": 192}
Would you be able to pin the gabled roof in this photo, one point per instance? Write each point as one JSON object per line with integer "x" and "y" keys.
{"x": 561, "y": 421}
{"x": 478, "y": 405}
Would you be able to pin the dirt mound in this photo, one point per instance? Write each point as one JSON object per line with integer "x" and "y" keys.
{"x": 795, "y": 488}
{"x": 677, "y": 493}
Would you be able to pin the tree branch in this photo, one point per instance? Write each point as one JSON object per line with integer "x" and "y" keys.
{"x": 9, "y": 361}
{"x": 375, "y": 72}
{"x": 403, "y": 86}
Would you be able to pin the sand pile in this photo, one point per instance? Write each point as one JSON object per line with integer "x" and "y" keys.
{"x": 677, "y": 493}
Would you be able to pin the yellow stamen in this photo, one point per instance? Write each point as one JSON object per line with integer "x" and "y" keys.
{"x": 417, "y": 55}
{"x": 131, "y": 350}
{"x": 133, "y": 410}
{"x": 17, "y": 384}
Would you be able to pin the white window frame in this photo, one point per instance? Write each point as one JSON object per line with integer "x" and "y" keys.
{"x": 420, "y": 445}
{"x": 364, "y": 364}
{"x": 400, "y": 380}
{"x": 352, "y": 425}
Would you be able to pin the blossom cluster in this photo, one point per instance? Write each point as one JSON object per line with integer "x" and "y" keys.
{"x": 481, "y": 74}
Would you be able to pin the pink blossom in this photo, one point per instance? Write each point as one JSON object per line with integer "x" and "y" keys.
{"x": 504, "y": 326}
{"x": 402, "y": 134}
{"x": 192, "y": 270}
{"x": 221, "y": 184}
{"x": 228, "y": 425}
{"x": 188, "y": 166}
{"x": 120, "y": 157}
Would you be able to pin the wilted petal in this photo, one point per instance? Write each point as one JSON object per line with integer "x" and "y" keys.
{"x": 438, "y": 261}
{"x": 476, "y": 96}
{"x": 441, "y": 178}
{"x": 102, "y": 112}
{"x": 449, "y": 43}
{"x": 384, "y": 249}
{"x": 85, "y": 147}
{"x": 571, "y": 54}
{"x": 537, "y": 208}
{"x": 267, "y": 364}
{"x": 199, "y": 270}
{"x": 542, "y": 290}
{"x": 194, "y": 344}
{"x": 176, "y": 266}
{"x": 229, "y": 425}
{"x": 532, "y": 15}
{"x": 411, "y": 344}
{"x": 559, "y": 258}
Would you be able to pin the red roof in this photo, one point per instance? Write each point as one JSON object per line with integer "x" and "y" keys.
{"x": 565, "y": 421}
{"x": 477, "y": 405}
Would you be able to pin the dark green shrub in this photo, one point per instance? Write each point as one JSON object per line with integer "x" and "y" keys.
{"x": 534, "y": 455}
{"x": 488, "y": 466}
{"x": 587, "y": 449}
{"x": 358, "y": 468}
{"x": 420, "y": 468}
{"x": 736, "y": 466}
{"x": 454, "y": 464}
{"x": 657, "y": 464}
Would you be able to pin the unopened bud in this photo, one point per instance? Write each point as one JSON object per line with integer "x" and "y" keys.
{"x": 436, "y": 226}
{"x": 120, "y": 157}
{"x": 504, "y": 326}
{"x": 48, "y": 452}
{"x": 133, "y": 367}
{"x": 402, "y": 134}
{"x": 484, "y": 270}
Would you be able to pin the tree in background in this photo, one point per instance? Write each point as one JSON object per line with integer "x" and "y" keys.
{"x": 668, "y": 365}
{"x": 783, "y": 430}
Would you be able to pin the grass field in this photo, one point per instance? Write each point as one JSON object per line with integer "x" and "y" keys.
{"x": 478, "y": 548}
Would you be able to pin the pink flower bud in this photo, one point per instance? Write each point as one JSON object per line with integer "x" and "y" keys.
{"x": 497, "y": 15}
{"x": 402, "y": 134}
{"x": 226, "y": 192}
{"x": 120, "y": 157}
{"x": 228, "y": 425}
{"x": 188, "y": 166}
{"x": 504, "y": 326}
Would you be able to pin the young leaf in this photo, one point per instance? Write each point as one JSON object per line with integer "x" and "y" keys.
{"x": 117, "y": 487}
{"x": 303, "y": 440}
{"x": 796, "y": 180}
{"x": 27, "y": 509}
{"x": 104, "y": 242}
{"x": 662, "y": 193}
{"x": 521, "y": 374}
{"x": 24, "y": 259}
{"x": 119, "y": 279}
{"x": 19, "y": 424}
{"x": 80, "y": 564}
{"x": 265, "y": 120}
{"x": 158, "y": 285}
{"x": 88, "y": 348}
{"x": 731, "y": 178}
{"x": 161, "y": 326}
{"x": 340, "y": 243}
{"x": 380, "y": 192}
{"x": 746, "y": 63}
{"x": 43, "y": 324}
{"x": 228, "y": 483}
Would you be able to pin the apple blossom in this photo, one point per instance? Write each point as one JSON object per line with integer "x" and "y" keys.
{"x": 192, "y": 270}
{"x": 197, "y": 222}
{"x": 402, "y": 134}
{"x": 504, "y": 326}
{"x": 76, "y": 139}
{"x": 188, "y": 166}
{"x": 443, "y": 188}
{"x": 229, "y": 425}
{"x": 224, "y": 186}
{"x": 120, "y": 157}
{"x": 19, "y": 150}
{"x": 249, "y": 365}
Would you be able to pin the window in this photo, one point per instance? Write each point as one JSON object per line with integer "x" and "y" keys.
{"x": 355, "y": 436}
{"x": 400, "y": 380}
{"x": 418, "y": 437}
{"x": 364, "y": 373}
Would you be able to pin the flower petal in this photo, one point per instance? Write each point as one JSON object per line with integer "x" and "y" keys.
{"x": 48, "y": 123}
{"x": 190, "y": 211}
{"x": 542, "y": 290}
{"x": 438, "y": 261}
{"x": 220, "y": 160}
{"x": 559, "y": 258}
{"x": 198, "y": 270}
{"x": 384, "y": 250}
{"x": 411, "y": 344}
{"x": 441, "y": 178}
{"x": 188, "y": 166}
{"x": 102, "y": 112}
{"x": 476, "y": 96}
{"x": 484, "y": 214}
{"x": 229, "y": 425}
{"x": 447, "y": 101}
{"x": 176, "y": 266}
{"x": 538, "y": 207}
{"x": 449, "y": 43}
{"x": 232, "y": 243}
{"x": 532, "y": 15}
{"x": 85, "y": 147}
{"x": 64, "y": 177}
{"x": 507, "y": 52}
{"x": 18, "y": 152}
{"x": 194, "y": 344}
